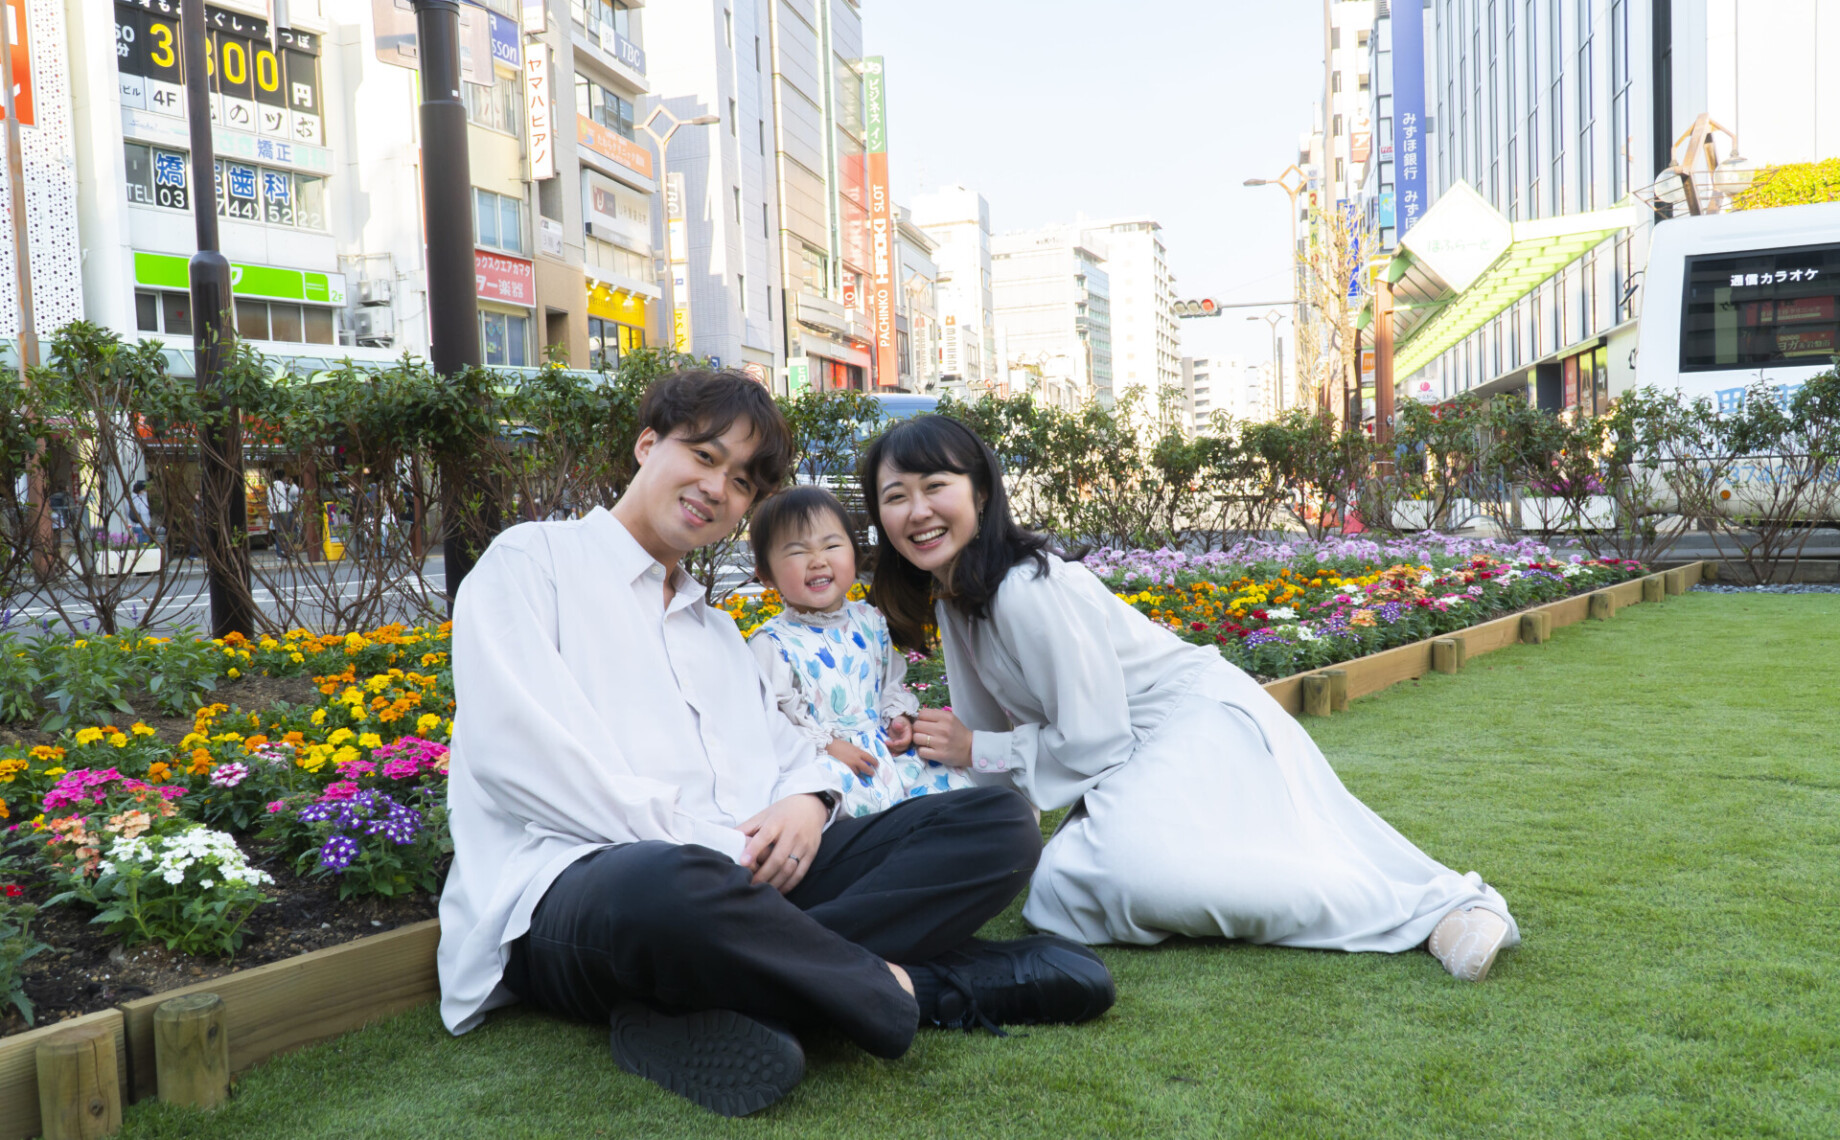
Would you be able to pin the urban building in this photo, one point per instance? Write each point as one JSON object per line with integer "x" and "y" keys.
{"x": 1552, "y": 130}
{"x": 1347, "y": 105}
{"x": 1198, "y": 394}
{"x": 1146, "y": 337}
{"x": 958, "y": 219}
{"x": 917, "y": 326}
{"x": 1376, "y": 177}
{"x": 1053, "y": 308}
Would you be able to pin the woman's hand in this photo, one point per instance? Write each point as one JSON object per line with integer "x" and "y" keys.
{"x": 855, "y": 759}
{"x": 942, "y": 737}
{"x": 783, "y": 839}
{"x": 900, "y": 734}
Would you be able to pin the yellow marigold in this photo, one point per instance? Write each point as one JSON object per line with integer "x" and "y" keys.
{"x": 313, "y": 758}
{"x": 252, "y": 743}
{"x": 142, "y": 730}
{"x": 269, "y": 643}
{"x": 48, "y": 752}
{"x": 233, "y": 674}
{"x": 378, "y": 683}
{"x": 88, "y": 736}
{"x": 5, "y": 812}
{"x": 370, "y": 740}
{"x": 318, "y": 717}
{"x": 426, "y": 723}
{"x": 296, "y": 658}
{"x": 345, "y": 755}
{"x": 340, "y": 736}
{"x": 228, "y": 736}
{"x": 11, "y": 768}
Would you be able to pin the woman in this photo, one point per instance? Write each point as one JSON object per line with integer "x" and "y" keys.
{"x": 1200, "y": 807}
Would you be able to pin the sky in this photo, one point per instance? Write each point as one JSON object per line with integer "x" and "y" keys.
{"x": 1131, "y": 107}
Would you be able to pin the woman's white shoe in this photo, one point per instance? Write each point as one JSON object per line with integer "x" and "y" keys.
{"x": 1467, "y": 940}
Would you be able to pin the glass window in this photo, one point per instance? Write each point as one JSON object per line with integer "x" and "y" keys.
{"x": 176, "y": 314}
{"x": 310, "y": 202}
{"x": 146, "y": 311}
{"x": 319, "y": 327}
{"x": 140, "y": 174}
{"x": 1763, "y": 307}
{"x": 503, "y": 339}
{"x": 498, "y": 107}
{"x": 485, "y": 218}
{"x": 516, "y": 329}
{"x": 510, "y": 224}
{"x": 284, "y": 323}
{"x": 252, "y": 320}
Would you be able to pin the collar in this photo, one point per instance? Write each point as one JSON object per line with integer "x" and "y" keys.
{"x": 631, "y": 562}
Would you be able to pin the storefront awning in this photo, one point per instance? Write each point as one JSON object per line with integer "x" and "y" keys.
{"x": 1536, "y": 250}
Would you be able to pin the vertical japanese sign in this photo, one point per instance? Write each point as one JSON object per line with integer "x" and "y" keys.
{"x": 881, "y": 225}
{"x": 677, "y": 243}
{"x": 18, "y": 44}
{"x": 540, "y": 112}
{"x": 1412, "y": 187}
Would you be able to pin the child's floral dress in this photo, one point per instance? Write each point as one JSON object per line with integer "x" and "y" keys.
{"x": 838, "y": 676}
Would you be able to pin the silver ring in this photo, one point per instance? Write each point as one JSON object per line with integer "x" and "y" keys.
{"x": 794, "y": 858}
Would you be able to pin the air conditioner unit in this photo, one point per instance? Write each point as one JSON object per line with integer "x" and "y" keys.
{"x": 374, "y": 327}
{"x": 374, "y": 291}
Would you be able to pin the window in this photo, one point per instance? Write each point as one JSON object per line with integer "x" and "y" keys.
{"x": 1336, "y": 129}
{"x": 765, "y": 229}
{"x": 610, "y": 258}
{"x": 502, "y": 339}
{"x": 741, "y": 288}
{"x": 604, "y": 106}
{"x": 1363, "y": 81}
{"x": 1622, "y": 140}
{"x": 1587, "y": 109}
{"x": 176, "y": 314}
{"x": 737, "y": 205}
{"x": 499, "y": 107}
{"x": 1335, "y": 81}
{"x": 728, "y": 27}
{"x": 608, "y": 341}
{"x": 255, "y": 320}
{"x": 146, "y": 311}
{"x": 734, "y": 121}
{"x": 1360, "y": 37}
{"x": 498, "y": 221}
{"x": 1335, "y": 38}
{"x": 1761, "y": 307}
{"x": 816, "y": 272}
{"x": 756, "y": 53}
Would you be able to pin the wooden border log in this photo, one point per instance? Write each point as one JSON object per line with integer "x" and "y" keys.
{"x": 1654, "y": 588}
{"x": 191, "y": 1051}
{"x": 1534, "y": 627}
{"x": 286, "y": 1005}
{"x": 1446, "y": 654}
{"x": 1338, "y": 689}
{"x": 1676, "y": 581}
{"x": 1603, "y": 606}
{"x": 19, "y": 1070}
{"x": 1318, "y": 698}
{"x": 1709, "y": 571}
{"x": 79, "y": 1083}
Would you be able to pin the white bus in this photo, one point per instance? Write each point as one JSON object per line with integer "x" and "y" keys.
{"x": 1731, "y": 299}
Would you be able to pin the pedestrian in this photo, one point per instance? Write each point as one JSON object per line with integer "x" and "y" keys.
{"x": 281, "y": 498}
{"x": 142, "y": 514}
{"x": 641, "y": 838}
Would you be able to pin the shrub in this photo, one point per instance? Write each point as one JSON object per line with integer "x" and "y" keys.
{"x": 189, "y": 888}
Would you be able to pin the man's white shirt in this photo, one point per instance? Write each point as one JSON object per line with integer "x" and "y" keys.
{"x": 590, "y": 713}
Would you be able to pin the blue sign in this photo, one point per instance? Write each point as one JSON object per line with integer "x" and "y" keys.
{"x": 275, "y": 186}
{"x": 507, "y": 47}
{"x": 1411, "y": 187}
{"x": 243, "y": 182}
{"x": 629, "y": 53}
{"x": 1386, "y": 209}
{"x": 168, "y": 169}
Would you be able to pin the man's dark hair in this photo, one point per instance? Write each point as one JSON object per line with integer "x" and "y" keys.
{"x": 904, "y": 592}
{"x": 706, "y": 403}
{"x": 795, "y": 507}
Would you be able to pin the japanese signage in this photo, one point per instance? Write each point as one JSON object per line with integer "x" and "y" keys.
{"x": 613, "y": 146}
{"x": 882, "y": 274}
{"x": 535, "y": 18}
{"x": 1460, "y": 237}
{"x": 263, "y": 85}
{"x": 677, "y": 243}
{"x": 617, "y": 213}
{"x": 540, "y": 112}
{"x": 167, "y": 271}
{"x": 500, "y": 278}
{"x": 1410, "y": 183}
{"x": 19, "y": 45}
{"x": 507, "y": 45}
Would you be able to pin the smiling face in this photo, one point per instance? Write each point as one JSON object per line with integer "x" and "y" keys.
{"x": 813, "y": 565}
{"x": 928, "y": 518}
{"x": 687, "y": 494}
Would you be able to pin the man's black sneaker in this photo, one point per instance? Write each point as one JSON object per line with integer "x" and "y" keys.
{"x": 726, "y": 1062}
{"x": 1042, "y": 979}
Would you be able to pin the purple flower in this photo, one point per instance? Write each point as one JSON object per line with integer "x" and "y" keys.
{"x": 229, "y": 775}
{"x": 338, "y": 853}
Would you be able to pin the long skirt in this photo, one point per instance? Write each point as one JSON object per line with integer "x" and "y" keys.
{"x": 1218, "y": 828}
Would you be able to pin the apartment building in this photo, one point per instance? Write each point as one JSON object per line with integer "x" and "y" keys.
{"x": 917, "y": 327}
{"x": 958, "y": 219}
{"x": 1052, "y": 300}
{"x": 1146, "y": 335}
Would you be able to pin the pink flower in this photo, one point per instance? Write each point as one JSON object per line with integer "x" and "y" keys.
{"x": 171, "y": 791}
{"x": 276, "y": 807}
{"x": 358, "y": 769}
{"x": 229, "y": 775}
{"x": 339, "y": 790}
{"x": 400, "y": 769}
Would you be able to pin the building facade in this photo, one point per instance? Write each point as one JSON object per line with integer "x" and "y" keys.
{"x": 1346, "y": 115}
{"x": 1146, "y": 334}
{"x": 917, "y": 323}
{"x": 1052, "y": 300}
{"x": 958, "y": 219}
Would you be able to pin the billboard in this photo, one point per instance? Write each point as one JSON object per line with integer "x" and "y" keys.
{"x": 882, "y": 271}
{"x": 1411, "y": 184}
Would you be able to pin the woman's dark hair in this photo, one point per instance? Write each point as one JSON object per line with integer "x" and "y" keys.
{"x": 780, "y": 514}
{"x": 706, "y": 403}
{"x": 904, "y": 592}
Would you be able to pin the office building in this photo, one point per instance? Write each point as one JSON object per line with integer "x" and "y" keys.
{"x": 1052, "y": 304}
{"x": 1146, "y": 336}
{"x": 1346, "y": 109}
{"x": 917, "y": 327}
{"x": 958, "y": 219}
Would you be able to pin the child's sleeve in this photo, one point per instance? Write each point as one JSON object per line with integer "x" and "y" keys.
{"x": 896, "y": 700}
{"x": 783, "y": 684}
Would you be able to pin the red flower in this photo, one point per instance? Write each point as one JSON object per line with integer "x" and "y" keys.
{"x": 13, "y": 892}
{"x": 1197, "y": 626}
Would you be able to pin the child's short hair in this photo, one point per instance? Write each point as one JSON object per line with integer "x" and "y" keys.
{"x": 794, "y": 507}
{"x": 707, "y": 403}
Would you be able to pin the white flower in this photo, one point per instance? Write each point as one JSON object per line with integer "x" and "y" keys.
{"x": 1280, "y": 613}
{"x": 1305, "y": 633}
{"x": 175, "y": 876}
{"x": 207, "y": 884}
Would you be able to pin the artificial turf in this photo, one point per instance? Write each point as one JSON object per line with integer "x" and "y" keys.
{"x": 1657, "y": 796}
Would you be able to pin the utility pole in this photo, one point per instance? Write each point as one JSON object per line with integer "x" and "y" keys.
{"x": 447, "y": 219}
{"x": 222, "y": 495}
{"x": 38, "y": 522}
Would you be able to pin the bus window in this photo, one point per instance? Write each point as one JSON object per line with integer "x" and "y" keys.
{"x": 1761, "y": 307}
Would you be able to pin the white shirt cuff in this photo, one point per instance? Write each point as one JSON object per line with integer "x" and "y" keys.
{"x": 990, "y": 751}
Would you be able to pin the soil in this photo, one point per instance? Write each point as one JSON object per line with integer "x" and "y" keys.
{"x": 87, "y": 970}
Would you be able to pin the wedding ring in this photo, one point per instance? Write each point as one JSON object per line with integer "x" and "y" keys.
{"x": 926, "y": 741}
{"x": 794, "y": 858}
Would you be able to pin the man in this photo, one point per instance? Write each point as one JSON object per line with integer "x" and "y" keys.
{"x": 281, "y": 498}
{"x": 641, "y": 837}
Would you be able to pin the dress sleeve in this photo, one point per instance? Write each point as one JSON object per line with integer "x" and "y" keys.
{"x": 783, "y": 687}
{"x": 896, "y": 699}
{"x": 1060, "y": 637}
{"x": 531, "y": 742}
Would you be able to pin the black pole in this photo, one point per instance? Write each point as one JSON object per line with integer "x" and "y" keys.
{"x": 220, "y": 444}
{"x": 447, "y": 210}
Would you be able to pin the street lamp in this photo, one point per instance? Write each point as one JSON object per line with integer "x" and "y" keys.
{"x": 663, "y": 142}
{"x": 1277, "y": 358}
{"x": 1293, "y": 180}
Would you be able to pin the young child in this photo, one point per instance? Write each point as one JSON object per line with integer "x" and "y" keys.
{"x": 829, "y": 660}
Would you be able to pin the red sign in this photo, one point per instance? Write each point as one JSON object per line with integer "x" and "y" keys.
{"x": 1806, "y": 342}
{"x": 501, "y": 278}
{"x": 1805, "y": 309}
{"x": 17, "y": 37}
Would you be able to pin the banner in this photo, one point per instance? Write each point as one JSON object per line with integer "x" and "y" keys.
{"x": 540, "y": 112}
{"x": 677, "y": 243}
{"x": 882, "y": 269}
{"x": 1412, "y": 188}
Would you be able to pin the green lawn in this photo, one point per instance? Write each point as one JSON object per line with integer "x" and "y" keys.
{"x": 1657, "y": 796}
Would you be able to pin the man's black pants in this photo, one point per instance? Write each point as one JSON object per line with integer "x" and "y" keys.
{"x": 682, "y": 927}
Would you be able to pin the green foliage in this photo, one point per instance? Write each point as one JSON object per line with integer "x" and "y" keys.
{"x": 188, "y": 888}
{"x": 85, "y": 681}
{"x": 1315, "y": 465}
{"x": 1792, "y": 184}
{"x": 17, "y": 945}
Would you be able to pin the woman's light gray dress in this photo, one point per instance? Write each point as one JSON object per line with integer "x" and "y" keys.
{"x": 1205, "y": 809}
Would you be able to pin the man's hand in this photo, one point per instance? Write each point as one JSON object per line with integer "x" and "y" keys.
{"x": 900, "y": 734}
{"x": 943, "y": 737}
{"x": 855, "y": 759}
{"x": 783, "y": 839}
